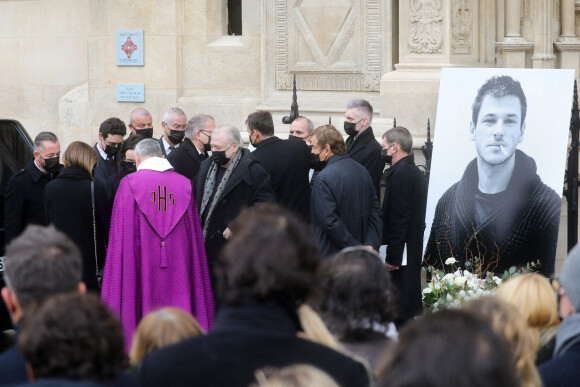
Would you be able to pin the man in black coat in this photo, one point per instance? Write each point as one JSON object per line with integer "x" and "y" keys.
{"x": 195, "y": 146}
{"x": 111, "y": 133}
{"x": 24, "y": 203}
{"x": 344, "y": 206}
{"x": 227, "y": 182}
{"x": 361, "y": 144}
{"x": 40, "y": 263}
{"x": 404, "y": 221}
{"x": 266, "y": 271}
{"x": 287, "y": 162}
{"x": 173, "y": 125}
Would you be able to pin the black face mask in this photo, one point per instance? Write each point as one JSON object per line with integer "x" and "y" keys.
{"x": 219, "y": 157}
{"x": 145, "y": 133}
{"x": 350, "y": 128}
{"x": 385, "y": 157}
{"x": 51, "y": 165}
{"x": 207, "y": 147}
{"x": 251, "y": 139}
{"x": 292, "y": 137}
{"x": 176, "y": 136}
{"x": 129, "y": 166}
{"x": 110, "y": 150}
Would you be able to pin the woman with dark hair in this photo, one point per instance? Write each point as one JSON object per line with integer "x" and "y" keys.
{"x": 69, "y": 206}
{"x": 357, "y": 302}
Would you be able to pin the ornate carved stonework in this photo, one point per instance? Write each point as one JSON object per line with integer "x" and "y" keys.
{"x": 328, "y": 44}
{"x": 461, "y": 26}
{"x": 425, "y": 32}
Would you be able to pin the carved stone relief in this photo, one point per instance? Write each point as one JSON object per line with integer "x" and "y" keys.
{"x": 461, "y": 27}
{"x": 328, "y": 44}
{"x": 426, "y": 23}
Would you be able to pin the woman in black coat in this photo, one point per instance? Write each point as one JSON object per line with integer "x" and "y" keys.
{"x": 69, "y": 207}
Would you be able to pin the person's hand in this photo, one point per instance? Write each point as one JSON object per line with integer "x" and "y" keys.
{"x": 391, "y": 267}
{"x": 227, "y": 233}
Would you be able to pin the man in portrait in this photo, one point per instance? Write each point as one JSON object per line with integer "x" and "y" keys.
{"x": 499, "y": 214}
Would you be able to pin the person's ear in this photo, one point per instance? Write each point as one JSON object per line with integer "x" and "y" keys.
{"x": 522, "y": 130}
{"x": 82, "y": 288}
{"x": 137, "y": 160}
{"x": 472, "y": 131}
{"x": 10, "y": 300}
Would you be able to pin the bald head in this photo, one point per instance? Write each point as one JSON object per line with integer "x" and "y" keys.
{"x": 141, "y": 123}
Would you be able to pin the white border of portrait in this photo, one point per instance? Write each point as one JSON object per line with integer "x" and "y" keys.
{"x": 549, "y": 96}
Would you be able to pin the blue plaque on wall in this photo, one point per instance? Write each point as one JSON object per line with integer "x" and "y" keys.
{"x": 130, "y": 93}
{"x": 130, "y": 48}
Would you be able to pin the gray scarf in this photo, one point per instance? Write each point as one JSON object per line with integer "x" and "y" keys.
{"x": 209, "y": 185}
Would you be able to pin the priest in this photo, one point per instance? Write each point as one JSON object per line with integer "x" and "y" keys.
{"x": 156, "y": 256}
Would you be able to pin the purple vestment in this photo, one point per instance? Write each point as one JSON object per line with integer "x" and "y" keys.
{"x": 156, "y": 256}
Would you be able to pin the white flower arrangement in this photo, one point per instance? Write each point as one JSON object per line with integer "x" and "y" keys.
{"x": 452, "y": 289}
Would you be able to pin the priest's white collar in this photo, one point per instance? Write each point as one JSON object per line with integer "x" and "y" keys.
{"x": 158, "y": 164}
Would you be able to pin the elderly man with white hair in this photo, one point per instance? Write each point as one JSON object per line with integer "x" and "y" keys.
{"x": 227, "y": 182}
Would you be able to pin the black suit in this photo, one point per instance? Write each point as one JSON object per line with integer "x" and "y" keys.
{"x": 186, "y": 159}
{"x": 105, "y": 168}
{"x": 367, "y": 151}
{"x": 288, "y": 163}
{"x": 24, "y": 203}
{"x": 244, "y": 339}
{"x": 404, "y": 224}
{"x": 160, "y": 141}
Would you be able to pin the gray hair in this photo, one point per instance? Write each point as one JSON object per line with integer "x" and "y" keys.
{"x": 195, "y": 123}
{"x": 40, "y": 263}
{"x": 41, "y": 137}
{"x": 147, "y": 148}
{"x": 139, "y": 112}
{"x": 309, "y": 122}
{"x": 401, "y": 136}
{"x": 363, "y": 106}
{"x": 174, "y": 110}
{"x": 232, "y": 132}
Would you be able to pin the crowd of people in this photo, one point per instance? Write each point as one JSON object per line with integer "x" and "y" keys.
{"x": 191, "y": 260}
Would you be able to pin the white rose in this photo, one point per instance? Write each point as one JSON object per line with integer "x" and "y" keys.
{"x": 449, "y": 298}
{"x": 459, "y": 281}
{"x": 497, "y": 280}
{"x": 427, "y": 290}
{"x": 450, "y": 261}
{"x": 437, "y": 286}
{"x": 479, "y": 291}
{"x": 462, "y": 293}
{"x": 448, "y": 277}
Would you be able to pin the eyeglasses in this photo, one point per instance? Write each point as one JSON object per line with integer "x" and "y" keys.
{"x": 115, "y": 144}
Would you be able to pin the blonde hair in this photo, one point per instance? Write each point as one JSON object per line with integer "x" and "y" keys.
{"x": 161, "y": 328}
{"x": 534, "y": 297}
{"x": 509, "y": 324}
{"x": 80, "y": 155}
{"x": 299, "y": 375}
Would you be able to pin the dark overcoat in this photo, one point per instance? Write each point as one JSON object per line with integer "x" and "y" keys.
{"x": 186, "y": 159}
{"x": 366, "y": 150}
{"x": 404, "y": 207}
{"x": 69, "y": 209}
{"x": 24, "y": 203}
{"x": 288, "y": 164}
{"x": 244, "y": 339}
{"x": 249, "y": 184}
{"x": 344, "y": 207}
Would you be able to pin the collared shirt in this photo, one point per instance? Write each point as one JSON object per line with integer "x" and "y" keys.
{"x": 166, "y": 145}
{"x": 102, "y": 152}
{"x": 158, "y": 164}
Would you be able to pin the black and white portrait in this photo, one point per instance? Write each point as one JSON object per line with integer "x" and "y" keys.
{"x": 498, "y": 164}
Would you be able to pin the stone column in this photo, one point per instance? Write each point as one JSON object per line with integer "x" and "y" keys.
{"x": 514, "y": 46}
{"x": 543, "y": 57}
{"x": 568, "y": 44}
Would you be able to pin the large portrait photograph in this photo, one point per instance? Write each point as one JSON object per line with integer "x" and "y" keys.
{"x": 497, "y": 172}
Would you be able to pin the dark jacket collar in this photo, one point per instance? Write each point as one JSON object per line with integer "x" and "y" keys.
{"x": 405, "y": 160}
{"x": 334, "y": 158}
{"x": 267, "y": 317}
{"x": 74, "y": 173}
{"x": 35, "y": 173}
{"x": 267, "y": 141}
